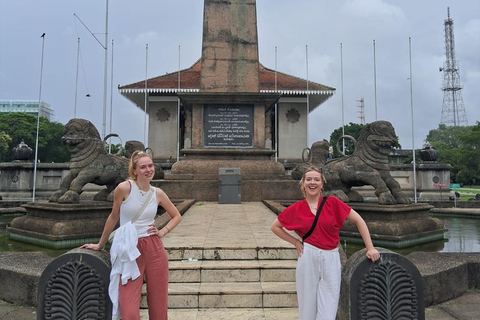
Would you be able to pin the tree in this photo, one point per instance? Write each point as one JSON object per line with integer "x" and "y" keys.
{"x": 23, "y": 126}
{"x": 4, "y": 143}
{"x": 457, "y": 146}
{"x": 446, "y": 135}
{"x": 351, "y": 129}
{"x": 469, "y": 164}
{"x": 116, "y": 149}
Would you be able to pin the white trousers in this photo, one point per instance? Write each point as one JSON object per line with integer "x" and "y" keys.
{"x": 318, "y": 283}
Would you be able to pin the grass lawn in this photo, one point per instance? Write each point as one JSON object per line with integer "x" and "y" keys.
{"x": 467, "y": 192}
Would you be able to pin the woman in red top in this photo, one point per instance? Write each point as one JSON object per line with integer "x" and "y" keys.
{"x": 318, "y": 273}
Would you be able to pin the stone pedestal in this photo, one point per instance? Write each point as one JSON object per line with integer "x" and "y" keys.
{"x": 60, "y": 226}
{"x": 395, "y": 226}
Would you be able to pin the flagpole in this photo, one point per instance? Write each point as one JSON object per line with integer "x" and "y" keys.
{"x": 276, "y": 110}
{"x": 308, "y": 102}
{"x": 38, "y": 122}
{"x": 375, "y": 78}
{"x": 104, "y": 123}
{"x": 111, "y": 103}
{"x": 343, "y": 112}
{"x": 146, "y": 99}
{"x": 76, "y": 80}
{"x": 413, "y": 131}
{"x": 178, "y": 109}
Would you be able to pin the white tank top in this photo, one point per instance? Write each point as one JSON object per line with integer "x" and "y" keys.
{"x": 134, "y": 202}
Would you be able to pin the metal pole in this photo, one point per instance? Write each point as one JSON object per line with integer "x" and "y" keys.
{"x": 104, "y": 123}
{"x": 76, "y": 80}
{"x": 413, "y": 131}
{"x": 375, "y": 78}
{"x": 146, "y": 99}
{"x": 308, "y": 102}
{"x": 343, "y": 112}
{"x": 111, "y": 103}
{"x": 178, "y": 109}
{"x": 38, "y": 122}
{"x": 276, "y": 110}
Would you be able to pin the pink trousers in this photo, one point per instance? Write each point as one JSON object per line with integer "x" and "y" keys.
{"x": 153, "y": 266}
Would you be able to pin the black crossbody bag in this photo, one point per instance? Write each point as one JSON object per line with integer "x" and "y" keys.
{"x": 314, "y": 224}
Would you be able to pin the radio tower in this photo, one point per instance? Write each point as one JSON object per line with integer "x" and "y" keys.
{"x": 453, "y": 110}
{"x": 362, "y": 110}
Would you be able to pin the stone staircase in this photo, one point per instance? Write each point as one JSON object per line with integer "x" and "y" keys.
{"x": 224, "y": 257}
{"x": 233, "y": 278}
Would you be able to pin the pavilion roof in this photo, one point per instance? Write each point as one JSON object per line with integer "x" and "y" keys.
{"x": 167, "y": 84}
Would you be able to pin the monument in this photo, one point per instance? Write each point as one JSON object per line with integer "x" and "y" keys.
{"x": 228, "y": 110}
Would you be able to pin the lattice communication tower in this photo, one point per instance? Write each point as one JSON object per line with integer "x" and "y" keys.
{"x": 453, "y": 110}
{"x": 361, "y": 112}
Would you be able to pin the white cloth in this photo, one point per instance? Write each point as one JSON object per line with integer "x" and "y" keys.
{"x": 318, "y": 283}
{"x": 123, "y": 255}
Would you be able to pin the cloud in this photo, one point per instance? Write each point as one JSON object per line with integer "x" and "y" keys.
{"x": 373, "y": 17}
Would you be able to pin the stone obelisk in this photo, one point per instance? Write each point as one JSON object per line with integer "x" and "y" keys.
{"x": 230, "y": 47}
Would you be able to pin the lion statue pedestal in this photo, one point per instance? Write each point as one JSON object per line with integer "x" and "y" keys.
{"x": 60, "y": 226}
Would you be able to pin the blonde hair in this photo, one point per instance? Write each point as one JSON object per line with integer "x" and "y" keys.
{"x": 133, "y": 162}
{"x": 311, "y": 168}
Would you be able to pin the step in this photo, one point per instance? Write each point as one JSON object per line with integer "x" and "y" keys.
{"x": 229, "y": 295}
{"x": 235, "y": 253}
{"x": 230, "y": 314}
{"x": 233, "y": 295}
{"x": 213, "y": 271}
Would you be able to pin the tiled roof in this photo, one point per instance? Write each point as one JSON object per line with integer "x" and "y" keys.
{"x": 190, "y": 81}
{"x": 167, "y": 85}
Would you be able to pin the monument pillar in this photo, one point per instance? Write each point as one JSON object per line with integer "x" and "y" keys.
{"x": 228, "y": 124}
{"x": 229, "y": 47}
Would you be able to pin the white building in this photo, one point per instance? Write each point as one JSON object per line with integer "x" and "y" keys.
{"x": 27, "y": 106}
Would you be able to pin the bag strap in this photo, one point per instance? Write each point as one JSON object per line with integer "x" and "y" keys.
{"x": 314, "y": 224}
{"x": 139, "y": 213}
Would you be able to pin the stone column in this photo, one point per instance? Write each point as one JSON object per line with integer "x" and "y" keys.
{"x": 229, "y": 47}
{"x": 187, "y": 143}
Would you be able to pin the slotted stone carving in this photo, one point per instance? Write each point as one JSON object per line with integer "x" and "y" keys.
{"x": 389, "y": 289}
{"x": 75, "y": 286}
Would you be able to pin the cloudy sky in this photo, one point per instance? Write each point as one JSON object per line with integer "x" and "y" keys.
{"x": 291, "y": 26}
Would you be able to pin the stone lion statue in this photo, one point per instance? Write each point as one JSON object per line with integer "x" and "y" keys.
{"x": 368, "y": 165}
{"x": 89, "y": 163}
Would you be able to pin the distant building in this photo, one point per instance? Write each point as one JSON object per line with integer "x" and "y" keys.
{"x": 27, "y": 106}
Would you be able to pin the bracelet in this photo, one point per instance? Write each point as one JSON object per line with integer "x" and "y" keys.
{"x": 168, "y": 230}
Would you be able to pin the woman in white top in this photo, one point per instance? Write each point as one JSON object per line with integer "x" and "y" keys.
{"x": 129, "y": 197}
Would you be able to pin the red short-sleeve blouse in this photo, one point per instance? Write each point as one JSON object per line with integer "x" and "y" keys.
{"x": 326, "y": 235}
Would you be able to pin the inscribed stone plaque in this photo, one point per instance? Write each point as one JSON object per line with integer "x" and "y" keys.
{"x": 228, "y": 126}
